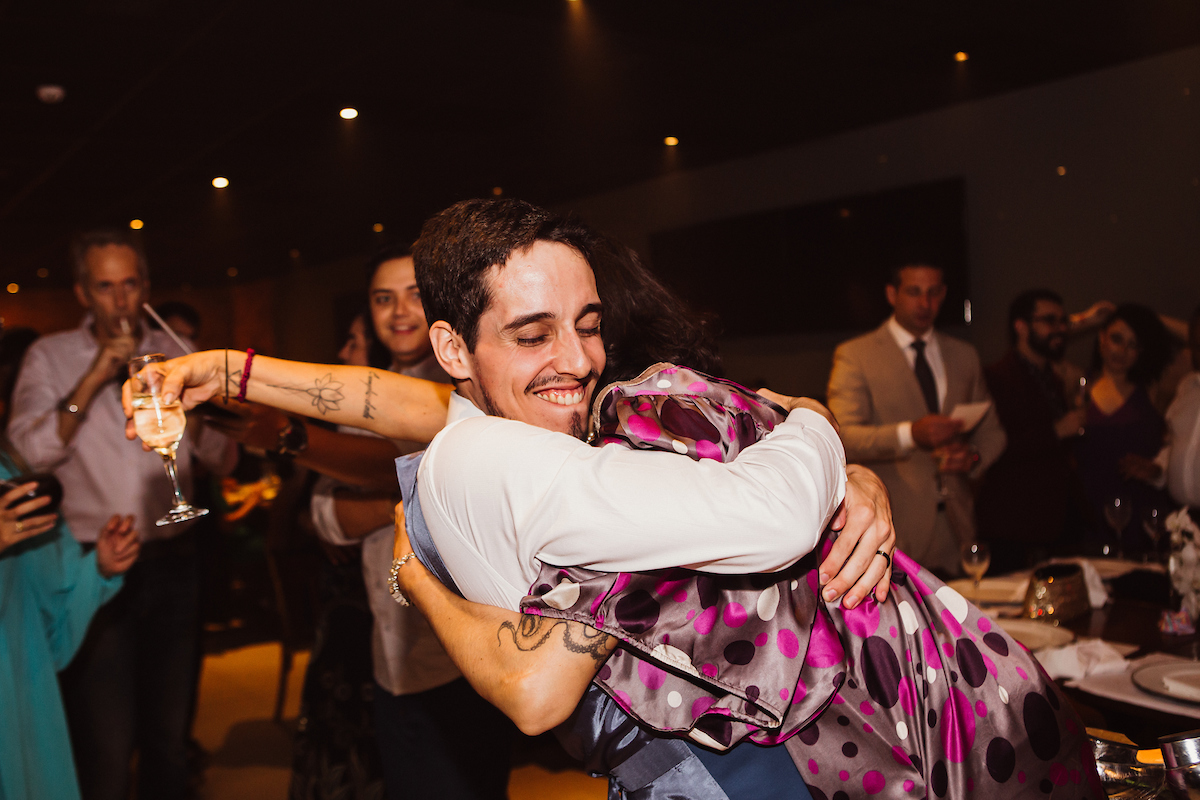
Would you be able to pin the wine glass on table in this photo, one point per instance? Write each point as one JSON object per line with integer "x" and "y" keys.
{"x": 976, "y": 558}
{"x": 1118, "y": 511}
{"x": 161, "y": 426}
{"x": 1154, "y": 524}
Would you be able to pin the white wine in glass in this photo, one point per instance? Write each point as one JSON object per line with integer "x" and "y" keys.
{"x": 976, "y": 558}
{"x": 160, "y": 426}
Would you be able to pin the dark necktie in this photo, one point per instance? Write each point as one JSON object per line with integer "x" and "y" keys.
{"x": 925, "y": 377}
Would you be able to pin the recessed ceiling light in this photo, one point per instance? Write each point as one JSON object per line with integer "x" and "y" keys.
{"x": 231, "y": 272}
{"x": 43, "y": 273}
{"x": 136, "y": 224}
{"x": 960, "y": 56}
{"x": 670, "y": 141}
{"x": 220, "y": 183}
{"x": 13, "y": 288}
{"x": 377, "y": 227}
{"x": 497, "y": 191}
{"x": 1061, "y": 170}
{"x": 348, "y": 113}
{"x": 294, "y": 253}
{"x": 51, "y": 93}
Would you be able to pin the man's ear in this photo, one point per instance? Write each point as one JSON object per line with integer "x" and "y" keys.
{"x": 450, "y": 351}
{"x": 1021, "y": 328}
{"x": 82, "y": 296}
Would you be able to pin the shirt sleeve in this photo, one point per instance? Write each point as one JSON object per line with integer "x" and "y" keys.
{"x": 324, "y": 512}
{"x": 33, "y": 424}
{"x": 615, "y": 509}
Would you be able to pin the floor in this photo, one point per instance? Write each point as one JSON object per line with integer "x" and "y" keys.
{"x": 251, "y": 754}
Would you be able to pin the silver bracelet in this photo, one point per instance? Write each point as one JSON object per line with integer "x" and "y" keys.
{"x": 394, "y": 578}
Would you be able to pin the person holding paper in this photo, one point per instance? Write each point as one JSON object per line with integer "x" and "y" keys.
{"x": 897, "y": 393}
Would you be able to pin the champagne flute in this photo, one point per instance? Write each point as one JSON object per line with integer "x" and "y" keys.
{"x": 1118, "y": 511}
{"x": 976, "y": 558}
{"x": 161, "y": 426}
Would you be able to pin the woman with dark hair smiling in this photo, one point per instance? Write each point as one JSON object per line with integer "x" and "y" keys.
{"x": 1132, "y": 350}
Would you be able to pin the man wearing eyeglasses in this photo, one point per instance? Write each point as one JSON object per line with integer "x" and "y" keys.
{"x": 1026, "y": 499}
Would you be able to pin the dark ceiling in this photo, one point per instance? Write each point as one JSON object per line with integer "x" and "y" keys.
{"x": 548, "y": 99}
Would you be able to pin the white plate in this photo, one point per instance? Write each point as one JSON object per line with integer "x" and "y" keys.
{"x": 1036, "y": 635}
{"x": 1176, "y": 680}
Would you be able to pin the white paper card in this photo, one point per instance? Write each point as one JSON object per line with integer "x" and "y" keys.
{"x": 970, "y": 413}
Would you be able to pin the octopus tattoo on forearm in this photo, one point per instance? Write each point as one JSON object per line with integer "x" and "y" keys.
{"x": 533, "y": 631}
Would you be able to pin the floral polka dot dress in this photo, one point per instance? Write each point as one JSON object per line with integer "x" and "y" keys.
{"x": 920, "y": 696}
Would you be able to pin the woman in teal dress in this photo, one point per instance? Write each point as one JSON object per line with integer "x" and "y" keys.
{"x": 49, "y": 590}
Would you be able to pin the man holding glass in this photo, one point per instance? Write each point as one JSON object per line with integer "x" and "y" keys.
{"x": 130, "y": 685}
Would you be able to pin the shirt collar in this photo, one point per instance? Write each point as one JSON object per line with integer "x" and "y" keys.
{"x": 461, "y": 408}
{"x": 903, "y": 337}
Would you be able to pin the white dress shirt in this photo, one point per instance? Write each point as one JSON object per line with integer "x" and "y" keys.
{"x": 1180, "y": 459}
{"x": 500, "y": 497}
{"x": 933, "y": 354}
{"x": 101, "y": 471}
{"x": 405, "y": 652}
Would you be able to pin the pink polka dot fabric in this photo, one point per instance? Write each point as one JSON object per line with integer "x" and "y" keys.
{"x": 919, "y": 696}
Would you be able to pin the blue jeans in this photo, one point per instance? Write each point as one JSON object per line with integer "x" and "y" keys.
{"x": 446, "y": 743}
{"x": 130, "y": 685}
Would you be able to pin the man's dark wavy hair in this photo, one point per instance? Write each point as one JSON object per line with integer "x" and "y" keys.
{"x": 458, "y": 246}
{"x": 1155, "y": 343}
{"x": 643, "y": 322}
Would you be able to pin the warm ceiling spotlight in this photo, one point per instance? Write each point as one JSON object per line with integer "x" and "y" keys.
{"x": 231, "y": 272}
{"x": 348, "y": 113}
{"x": 136, "y": 224}
{"x": 844, "y": 213}
{"x": 220, "y": 183}
{"x": 960, "y": 56}
{"x": 294, "y": 253}
{"x": 13, "y": 288}
{"x": 377, "y": 227}
{"x": 670, "y": 141}
{"x": 1061, "y": 170}
{"x": 497, "y": 191}
{"x": 43, "y": 273}
{"x": 51, "y": 93}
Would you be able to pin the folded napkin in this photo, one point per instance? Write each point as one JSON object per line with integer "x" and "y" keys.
{"x": 1186, "y": 685}
{"x": 1081, "y": 659}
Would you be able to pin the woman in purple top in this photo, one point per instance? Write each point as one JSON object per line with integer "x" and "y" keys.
{"x": 1132, "y": 350}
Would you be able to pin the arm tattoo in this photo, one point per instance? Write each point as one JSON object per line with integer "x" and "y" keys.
{"x": 368, "y": 406}
{"x": 534, "y": 631}
{"x": 326, "y": 393}
{"x": 233, "y": 382}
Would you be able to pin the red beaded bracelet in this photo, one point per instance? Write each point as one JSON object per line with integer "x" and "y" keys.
{"x": 245, "y": 379}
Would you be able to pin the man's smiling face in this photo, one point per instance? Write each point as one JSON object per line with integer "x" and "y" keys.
{"x": 538, "y": 354}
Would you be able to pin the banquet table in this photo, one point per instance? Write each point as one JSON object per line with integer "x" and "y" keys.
{"x": 1129, "y": 621}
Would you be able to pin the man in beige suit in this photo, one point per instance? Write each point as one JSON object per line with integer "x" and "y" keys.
{"x": 892, "y": 391}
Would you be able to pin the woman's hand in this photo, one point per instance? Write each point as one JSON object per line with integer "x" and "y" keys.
{"x": 413, "y": 573}
{"x": 865, "y": 522}
{"x": 14, "y": 530}
{"x": 193, "y": 379}
{"x": 117, "y": 546}
{"x": 792, "y": 403}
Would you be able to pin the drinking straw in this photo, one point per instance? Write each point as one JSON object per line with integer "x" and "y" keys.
{"x": 163, "y": 324}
